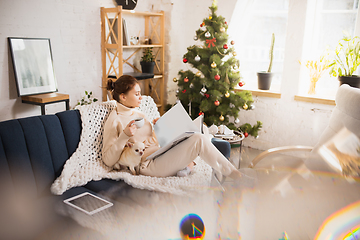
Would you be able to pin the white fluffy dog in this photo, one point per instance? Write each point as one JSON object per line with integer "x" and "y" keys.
{"x": 131, "y": 156}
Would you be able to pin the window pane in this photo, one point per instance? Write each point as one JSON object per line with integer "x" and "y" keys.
{"x": 333, "y": 27}
{"x": 340, "y": 5}
{"x": 324, "y": 29}
{"x": 271, "y": 5}
{"x": 252, "y": 35}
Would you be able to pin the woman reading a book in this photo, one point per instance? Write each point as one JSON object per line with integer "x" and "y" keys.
{"x": 120, "y": 128}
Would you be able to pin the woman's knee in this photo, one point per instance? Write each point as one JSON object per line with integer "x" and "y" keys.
{"x": 198, "y": 137}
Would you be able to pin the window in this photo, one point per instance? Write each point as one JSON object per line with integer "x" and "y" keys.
{"x": 323, "y": 22}
{"x": 326, "y": 23}
{"x": 251, "y": 27}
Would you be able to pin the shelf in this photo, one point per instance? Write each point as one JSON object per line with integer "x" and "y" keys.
{"x": 112, "y": 50}
{"x": 142, "y": 13}
{"x": 46, "y": 98}
{"x": 262, "y": 93}
{"x": 320, "y": 100}
{"x": 144, "y": 46}
{"x": 115, "y": 46}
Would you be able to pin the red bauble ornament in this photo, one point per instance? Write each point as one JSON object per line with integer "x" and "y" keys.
{"x": 217, "y": 77}
{"x": 217, "y": 103}
{"x": 186, "y": 79}
{"x": 241, "y": 84}
{"x": 225, "y": 46}
{"x": 201, "y": 113}
{"x": 246, "y": 134}
{"x": 183, "y": 91}
{"x": 185, "y": 60}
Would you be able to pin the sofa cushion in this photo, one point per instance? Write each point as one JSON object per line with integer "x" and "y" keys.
{"x": 6, "y": 183}
{"x": 16, "y": 154}
{"x": 71, "y": 126}
{"x": 56, "y": 142}
{"x": 38, "y": 150}
{"x": 345, "y": 114}
{"x": 34, "y": 150}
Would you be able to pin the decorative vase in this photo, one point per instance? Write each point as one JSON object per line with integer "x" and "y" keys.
{"x": 353, "y": 81}
{"x": 264, "y": 80}
{"x": 313, "y": 81}
{"x": 147, "y": 67}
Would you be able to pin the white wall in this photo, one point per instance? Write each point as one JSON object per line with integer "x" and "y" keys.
{"x": 74, "y": 30}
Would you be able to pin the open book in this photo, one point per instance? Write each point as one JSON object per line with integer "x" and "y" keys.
{"x": 342, "y": 153}
{"x": 174, "y": 127}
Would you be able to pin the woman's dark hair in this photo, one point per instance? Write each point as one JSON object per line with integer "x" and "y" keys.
{"x": 122, "y": 85}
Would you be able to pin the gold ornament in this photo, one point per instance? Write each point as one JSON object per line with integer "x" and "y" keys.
{"x": 174, "y": 80}
{"x": 245, "y": 106}
{"x": 198, "y": 73}
{"x": 222, "y": 29}
{"x": 210, "y": 17}
{"x": 221, "y": 118}
{"x": 227, "y": 94}
{"x": 234, "y": 53}
{"x": 213, "y": 65}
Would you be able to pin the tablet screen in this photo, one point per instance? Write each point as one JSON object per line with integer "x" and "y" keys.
{"x": 88, "y": 203}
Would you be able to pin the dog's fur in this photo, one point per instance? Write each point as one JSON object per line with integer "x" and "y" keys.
{"x": 131, "y": 157}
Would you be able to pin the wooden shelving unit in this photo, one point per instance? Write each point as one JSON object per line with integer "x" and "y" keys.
{"x": 112, "y": 49}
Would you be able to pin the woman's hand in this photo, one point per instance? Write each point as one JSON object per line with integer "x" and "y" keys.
{"x": 155, "y": 120}
{"x": 130, "y": 129}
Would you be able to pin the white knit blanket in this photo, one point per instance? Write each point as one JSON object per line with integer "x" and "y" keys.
{"x": 86, "y": 162}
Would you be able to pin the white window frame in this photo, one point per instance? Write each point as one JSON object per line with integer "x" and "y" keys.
{"x": 327, "y": 85}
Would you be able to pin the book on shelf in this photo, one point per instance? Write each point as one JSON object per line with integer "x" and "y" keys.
{"x": 114, "y": 34}
{"x": 126, "y": 41}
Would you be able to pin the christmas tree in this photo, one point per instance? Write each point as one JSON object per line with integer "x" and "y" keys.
{"x": 211, "y": 89}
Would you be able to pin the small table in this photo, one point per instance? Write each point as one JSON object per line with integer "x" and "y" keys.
{"x": 47, "y": 98}
{"x": 237, "y": 139}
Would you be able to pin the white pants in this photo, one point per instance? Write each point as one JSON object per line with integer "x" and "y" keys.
{"x": 184, "y": 153}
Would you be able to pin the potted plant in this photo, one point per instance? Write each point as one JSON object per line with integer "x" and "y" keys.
{"x": 147, "y": 61}
{"x": 264, "y": 78}
{"x": 87, "y": 99}
{"x": 346, "y": 61}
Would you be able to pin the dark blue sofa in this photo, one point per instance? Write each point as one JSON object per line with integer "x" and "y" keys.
{"x": 33, "y": 151}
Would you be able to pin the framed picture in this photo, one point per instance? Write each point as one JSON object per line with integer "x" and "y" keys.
{"x": 33, "y": 65}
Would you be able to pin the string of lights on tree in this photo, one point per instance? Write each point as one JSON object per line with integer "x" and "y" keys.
{"x": 211, "y": 89}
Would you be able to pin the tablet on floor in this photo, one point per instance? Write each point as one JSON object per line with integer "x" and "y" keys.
{"x": 88, "y": 203}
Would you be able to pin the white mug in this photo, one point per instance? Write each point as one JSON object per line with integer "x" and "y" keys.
{"x": 139, "y": 122}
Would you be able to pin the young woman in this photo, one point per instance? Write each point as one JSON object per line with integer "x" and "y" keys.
{"x": 120, "y": 128}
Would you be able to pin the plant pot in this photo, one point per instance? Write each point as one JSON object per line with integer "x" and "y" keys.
{"x": 353, "y": 81}
{"x": 147, "y": 67}
{"x": 264, "y": 80}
